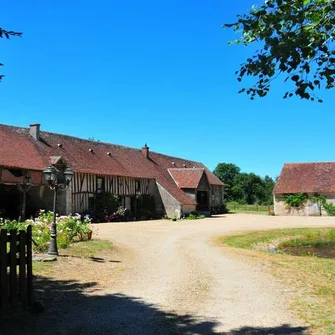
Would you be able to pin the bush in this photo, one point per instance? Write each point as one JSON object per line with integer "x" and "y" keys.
{"x": 146, "y": 207}
{"x": 69, "y": 229}
{"x": 221, "y": 209}
{"x": 105, "y": 205}
{"x": 330, "y": 208}
{"x": 194, "y": 216}
{"x": 121, "y": 214}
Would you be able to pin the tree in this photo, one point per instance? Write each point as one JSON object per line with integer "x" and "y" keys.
{"x": 247, "y": 188}
{"x": 296, "y": 39}
{"x": 227, "y": 173}
{"x": 7, "y": 34}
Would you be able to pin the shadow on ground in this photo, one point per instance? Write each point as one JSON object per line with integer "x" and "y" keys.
{"x": 82, "y": 308}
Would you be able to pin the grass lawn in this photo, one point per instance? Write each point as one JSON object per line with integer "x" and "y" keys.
{"x": 234, "y": 207}
{"x": 311, "y": 277}
{"x": 242, "y": 211}
{"x": 86, "y": 250}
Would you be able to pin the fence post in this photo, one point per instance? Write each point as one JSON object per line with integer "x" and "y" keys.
{"x": 3, "y": 269}
{"x": 13, "y": 272}
{"x": 22, "y": 268}
{"x": 29, "y": 266}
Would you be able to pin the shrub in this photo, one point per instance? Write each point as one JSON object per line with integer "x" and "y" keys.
{"x": 104, "y": 206}
{"x": 69, "y": 228}
{"x": 146, "y": 207}
{"x": 330, "y": 208}
{"x": 194, "y": 216}
{"x": 296, "y": 200}
{"x": 221, "y": 209}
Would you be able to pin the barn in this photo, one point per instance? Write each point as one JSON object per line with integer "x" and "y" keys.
{"x": 309, "y": 180}
{"x": 178, "y": 186}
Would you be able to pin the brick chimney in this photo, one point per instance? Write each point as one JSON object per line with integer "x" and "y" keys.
{"x": 35, "y": 131}
{"x": 145, "y": 151}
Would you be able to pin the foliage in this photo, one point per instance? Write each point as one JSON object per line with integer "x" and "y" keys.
{"x": 330, "y": 208}
{"x": 293, "y": 37}
{"x": 314, "y": 238}
{"x": 311, "y": 235}
{"x": 121, "y": 214}
{"x": 296, "y": 200}
{"x": 194, "y": 216}
{"x": 7, "y": 34}
{"x": 69, "y": 229}
{"x": 221, "y": 209}
{"x": 245, "y": 188}
{"x": 104, "y": 206}
{"x": 146, "y": 207}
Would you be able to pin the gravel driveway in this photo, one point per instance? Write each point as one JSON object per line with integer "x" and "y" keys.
{"x": 177, "y": 269}
{"x": 170, "y": 278}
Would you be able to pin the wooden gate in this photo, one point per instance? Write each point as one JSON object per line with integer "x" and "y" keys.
{"x": 15, "y": 268}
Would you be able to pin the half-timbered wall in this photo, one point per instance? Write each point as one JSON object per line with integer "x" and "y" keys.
{"x": 85, "y": 186}
{"x": 216, "y": 198}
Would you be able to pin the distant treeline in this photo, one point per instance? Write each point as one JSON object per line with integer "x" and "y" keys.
{"x": 245, "y": 188}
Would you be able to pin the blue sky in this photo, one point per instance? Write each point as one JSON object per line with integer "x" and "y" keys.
{"x": 158, "y": 72}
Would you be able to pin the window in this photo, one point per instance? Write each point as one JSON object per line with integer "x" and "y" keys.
{"x": 100, "y": 184}
{"x": 137, "y": 186}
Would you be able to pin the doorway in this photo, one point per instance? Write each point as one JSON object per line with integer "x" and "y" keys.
{"x": 202, "y": 201}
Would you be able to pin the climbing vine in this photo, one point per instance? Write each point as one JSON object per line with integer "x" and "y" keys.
{"x": 296, "y": 200}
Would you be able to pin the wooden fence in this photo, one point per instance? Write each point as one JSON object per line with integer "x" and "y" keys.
{"x": 233, "y": 206}
{"x": 15, "y": 268}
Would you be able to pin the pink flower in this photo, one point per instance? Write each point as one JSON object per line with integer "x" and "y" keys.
{"x": 48, "y": 243}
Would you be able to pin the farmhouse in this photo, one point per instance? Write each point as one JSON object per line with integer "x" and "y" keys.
{"x": 309, "y": 178}
{"x": 178, "y": 186}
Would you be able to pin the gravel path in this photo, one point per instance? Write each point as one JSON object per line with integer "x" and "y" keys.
{"x": 172, "y": 279}
{"x": 179, "y": 270}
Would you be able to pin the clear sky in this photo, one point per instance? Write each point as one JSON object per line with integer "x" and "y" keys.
{"x": 157, "y": 72}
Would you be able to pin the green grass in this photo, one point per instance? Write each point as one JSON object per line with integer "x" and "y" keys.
{"x": 88, "y": 249}
{"x": 313, "y": 238}
{"x": 246, "y": 241}
{"x": 235, "y": 207}
{"x": 312, "y": 278}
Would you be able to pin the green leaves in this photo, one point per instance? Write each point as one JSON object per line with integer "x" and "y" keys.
{"x": 296, "y": 38}
{"x": 7, "y": 34}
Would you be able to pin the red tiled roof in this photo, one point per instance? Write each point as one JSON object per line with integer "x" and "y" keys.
{"x": 306, "y": 177}
{"x": 187, "y": 178}
{"x": 18, "y": 149}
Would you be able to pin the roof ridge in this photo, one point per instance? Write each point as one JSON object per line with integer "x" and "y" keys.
{"x": 187, "y": 169}
{"x": 309, "y": 163}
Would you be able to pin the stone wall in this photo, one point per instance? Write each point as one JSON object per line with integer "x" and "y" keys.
{"x": 187, "y": 209}
{"x": 172, "y": 207}
{"x": 310, "y": 208}
{"x": 153, "y": 190}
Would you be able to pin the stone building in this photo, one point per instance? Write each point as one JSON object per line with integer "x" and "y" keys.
{"x": 310, "y": 178}
{"x": 178, "y": 186}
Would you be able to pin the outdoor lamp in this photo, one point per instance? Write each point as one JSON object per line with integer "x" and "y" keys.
{"x": 56, "y": 183}
{"x": 50, "y": 174}
{"x": 68, "y": 174}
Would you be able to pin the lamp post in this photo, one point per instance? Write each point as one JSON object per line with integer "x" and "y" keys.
{"x": 57, "y": 180}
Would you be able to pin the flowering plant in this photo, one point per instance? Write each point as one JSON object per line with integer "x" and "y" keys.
{"x": 69, "y": 228}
